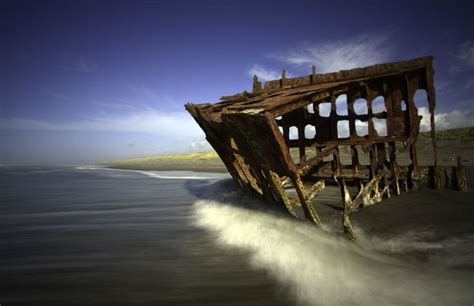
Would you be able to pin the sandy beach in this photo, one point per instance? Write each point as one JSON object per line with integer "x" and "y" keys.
{"x": 443, "y": 209}
{"x": 110, "y": 237}
{"x": 156, "y": 237}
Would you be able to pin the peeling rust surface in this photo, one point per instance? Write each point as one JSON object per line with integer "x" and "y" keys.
{"x": 287, "y": 132}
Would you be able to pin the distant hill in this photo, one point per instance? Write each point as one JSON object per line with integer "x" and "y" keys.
{"x": 459, "y": 134}
{"x": 200, "y": 161}
{"x": 451, "y": 143}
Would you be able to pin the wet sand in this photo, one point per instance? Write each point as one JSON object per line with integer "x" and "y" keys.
{"x": 409, "y": 210}
{"x": 105, "y": 237}
{"x": 101, "y": 237}
{"x": 416, "y": 248}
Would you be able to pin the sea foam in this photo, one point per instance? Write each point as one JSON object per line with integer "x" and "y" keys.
{"x": 319, "y": 268}
{"x": 169, "y": 175}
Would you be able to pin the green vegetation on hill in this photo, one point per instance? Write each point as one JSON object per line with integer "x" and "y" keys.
{"x": 177, "y": 157}
{"x": 210, "y": 161}
{"x": 459, "y": 134}
{"x": 201, "y": 161}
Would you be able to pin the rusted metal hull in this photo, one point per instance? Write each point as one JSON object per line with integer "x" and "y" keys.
{"x": 255, "y": 133}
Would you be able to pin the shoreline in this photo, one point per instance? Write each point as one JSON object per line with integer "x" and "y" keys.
{"x": 172, "y": 168}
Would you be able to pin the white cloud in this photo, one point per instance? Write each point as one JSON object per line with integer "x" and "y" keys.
{"x": 309, "y": 131}
{"x": 199, "y": 144}
{"x": 150, "y": 120}
{"x": 443, "y": 121}
{"x": 331, "y": 56}
{"x": 265, "y": 74}
{"x": 362, "y": 128}
{"x": 380, "y": 126}
{"x": 181, "y": 124}
{"x": 449, "y": 120}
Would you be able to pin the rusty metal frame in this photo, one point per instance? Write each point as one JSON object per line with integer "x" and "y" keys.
{"x": 251, "y": 133}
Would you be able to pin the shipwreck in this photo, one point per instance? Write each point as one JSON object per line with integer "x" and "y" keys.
{"x": 289, "y": 138}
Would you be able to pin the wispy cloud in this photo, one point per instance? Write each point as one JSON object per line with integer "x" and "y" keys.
{"x": 149, "y": 120}
{"x": 181, "y": 124}
{"x": 145, "y": 92}
{"x": 469, "y": 83}
{"x": 84, "y": 65}
{"x": 265, "y": 74}
{"x": 61, "y": 96}
{"x": 330, "y": 56}
{"x": 115, "y": 106}
{"x": 465, "y": 57}
{"x": 150, "y": 96}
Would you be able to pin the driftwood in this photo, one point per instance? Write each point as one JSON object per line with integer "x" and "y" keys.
{"x": 254, "y": 132}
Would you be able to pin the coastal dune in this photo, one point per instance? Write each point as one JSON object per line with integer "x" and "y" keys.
{"x": 200, "y": 161}
{"x": 451, "y": 143}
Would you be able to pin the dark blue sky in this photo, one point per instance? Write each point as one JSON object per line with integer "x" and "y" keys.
{"x": 88, "y": 80}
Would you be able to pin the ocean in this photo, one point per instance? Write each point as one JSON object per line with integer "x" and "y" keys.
{"x": 94, "y": 236}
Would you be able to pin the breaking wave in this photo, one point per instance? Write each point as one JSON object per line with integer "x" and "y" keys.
{"x": 169, "y": 175}
{"x": 320, "y": 268}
